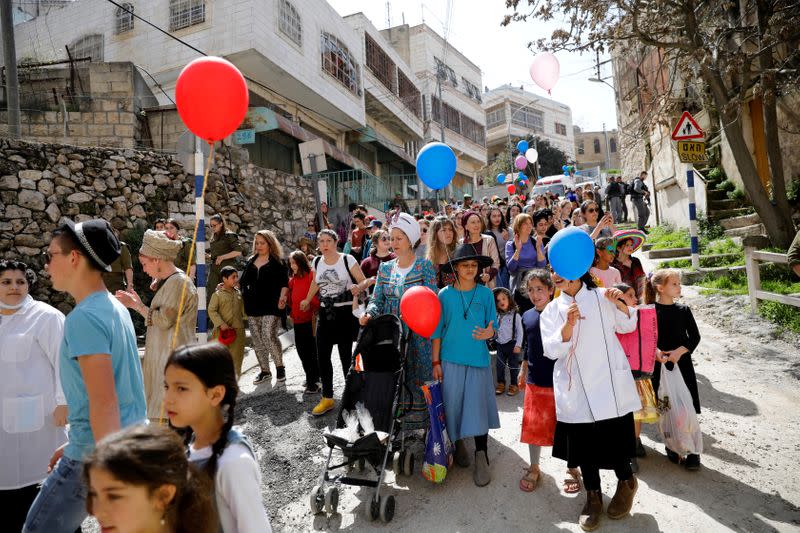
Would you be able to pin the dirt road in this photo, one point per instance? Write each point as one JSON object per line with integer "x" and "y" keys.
{"x": 749, "y": 480}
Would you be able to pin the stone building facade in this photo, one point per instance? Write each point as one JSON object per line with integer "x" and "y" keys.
{"x": 41, "y": 185}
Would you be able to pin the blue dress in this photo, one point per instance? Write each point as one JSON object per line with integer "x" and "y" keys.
{"x": 389, "y": 289}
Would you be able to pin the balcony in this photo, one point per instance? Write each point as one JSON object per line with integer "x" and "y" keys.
{"x": 361, "y": 187}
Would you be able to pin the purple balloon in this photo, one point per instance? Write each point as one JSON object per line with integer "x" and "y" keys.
{"x": 520, "y": 162}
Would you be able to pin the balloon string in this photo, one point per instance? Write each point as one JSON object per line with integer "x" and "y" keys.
{"x": 182, "y": 304}
{"x": 573, "y": 345}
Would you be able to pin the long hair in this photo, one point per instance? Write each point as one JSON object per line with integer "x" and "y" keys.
{"x": 301, "y": 260}
{"x": 221, "y": 221}
{"x": 655, "y": 279}
{"x": 436, "y": 250}
{"x": 275, "y": 248}
{"x": 503, "y": 224}
{"x": 509, "y": 220}
{"x": 151, "y": 456}
{"x": 213, "y": 366}
{"x": 373, "y": 243}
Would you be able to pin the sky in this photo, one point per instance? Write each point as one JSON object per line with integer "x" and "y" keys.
{"x": 502, "y": 52}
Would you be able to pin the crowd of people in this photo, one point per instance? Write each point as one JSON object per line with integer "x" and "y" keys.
{"x": 509, "y": 325}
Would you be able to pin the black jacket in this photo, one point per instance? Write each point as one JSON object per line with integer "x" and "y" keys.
{"x": 261, "y": 287}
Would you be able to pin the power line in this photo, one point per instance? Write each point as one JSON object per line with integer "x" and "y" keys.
{"x": 251, "y": 80}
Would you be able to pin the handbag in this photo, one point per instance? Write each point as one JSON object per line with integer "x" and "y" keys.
{"x": 678, "y": 421}
{"x": 640, "y": 345}
{"x": 438, "y": 448}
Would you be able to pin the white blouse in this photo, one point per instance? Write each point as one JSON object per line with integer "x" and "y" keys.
{"x": 592, "y": 379}
{"x": 30, "y": 389}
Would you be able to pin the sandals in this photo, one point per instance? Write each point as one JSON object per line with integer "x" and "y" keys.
{"x": 531, "y": 479}
{"x": 572, "y": 484}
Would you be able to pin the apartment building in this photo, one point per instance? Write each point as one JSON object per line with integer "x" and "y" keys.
{"x": 513, "y": 113}
{"x": 311, "y": 74}
{"x": 597, "y": 149}
{"x": 451, "y": 96}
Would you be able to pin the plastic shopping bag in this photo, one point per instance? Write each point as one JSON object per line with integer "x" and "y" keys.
{"x": 678, "y": 422}
{"x": 438, "y": 449}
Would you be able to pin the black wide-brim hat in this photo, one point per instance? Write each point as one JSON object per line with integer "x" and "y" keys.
{"x": 97, "y": 241}
{"x": 466, "y": 252}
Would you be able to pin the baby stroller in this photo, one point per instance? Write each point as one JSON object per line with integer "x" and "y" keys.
{"x": 375, "y": 379}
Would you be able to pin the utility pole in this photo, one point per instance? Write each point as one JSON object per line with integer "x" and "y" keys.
{"x": 10, "y": 60}
{"x": 605, "y": 137}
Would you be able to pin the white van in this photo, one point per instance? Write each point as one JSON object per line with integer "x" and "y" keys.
{"x": 553, "y": 184}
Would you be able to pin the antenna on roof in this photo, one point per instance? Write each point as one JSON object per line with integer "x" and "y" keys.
{"x": 388, "y": 14}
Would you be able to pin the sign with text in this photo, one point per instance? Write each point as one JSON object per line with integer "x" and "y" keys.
{"x": 244, "y": 136}
{"x": 692, "y": 152}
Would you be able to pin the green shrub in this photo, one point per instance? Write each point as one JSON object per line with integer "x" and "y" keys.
{"x": 667, "y": 236}
{"x": 736, "y": 194}
{"x": 710, "y": 229}
{"x": 722, "y": 246}
{"x": 715, "y": 174}
{"x": 726, "y": 185}
{"x": 787, "y": 316}
{"x": 793, "y": 191}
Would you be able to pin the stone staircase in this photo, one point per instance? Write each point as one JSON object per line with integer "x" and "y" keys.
{"x": 738, "y": 220}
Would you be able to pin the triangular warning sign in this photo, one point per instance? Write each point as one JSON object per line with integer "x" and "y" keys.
{"x": 687, "y": 128}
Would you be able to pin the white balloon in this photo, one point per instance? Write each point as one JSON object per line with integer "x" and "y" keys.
{"x": 531, "y": 155}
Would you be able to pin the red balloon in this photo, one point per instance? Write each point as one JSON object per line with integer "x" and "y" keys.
{"x": 511, "y": 189}
{"x": 522, "y": 197}
{"x": 212, "y": 98}
{"x": 420, "y": 309}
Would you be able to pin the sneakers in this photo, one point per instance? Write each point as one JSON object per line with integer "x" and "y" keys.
{"x": 640, "y": 451}
{"x": 280, "y": 373}
{"x": 481, "y": 474}
{"x": 512, "y": 390}
{"x": 324, "y": 405}
{"x": 672, "y": 456}
{"x": 262, "y": 377}
{"x": 314, "y": 388}
{"x": 692, "y": 462}
{"x": 500, "y": 389}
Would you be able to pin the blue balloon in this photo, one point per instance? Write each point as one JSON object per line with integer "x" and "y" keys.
{"x": 521, "y": 175}
{"x": 571, "y": 253}
{"x": 565, "y": 168}
{"x": 522, "y": 146}
{"x": 501, "y": 178}
{"x": 436, "y": 165}
{"x": 566, "y": 172}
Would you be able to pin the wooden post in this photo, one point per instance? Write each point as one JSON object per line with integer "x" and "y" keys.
{"x": 753, "y": 277}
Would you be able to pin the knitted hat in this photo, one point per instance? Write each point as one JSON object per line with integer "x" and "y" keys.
{"x": 97, "y": 241}
{"x": 408, "y": 225}
{"x": 157, "y": 245}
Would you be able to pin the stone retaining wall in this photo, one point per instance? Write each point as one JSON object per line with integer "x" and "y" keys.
{"x": 42, "y": 184}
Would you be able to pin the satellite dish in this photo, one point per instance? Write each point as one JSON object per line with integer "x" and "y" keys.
{"x": 186, "y": 148}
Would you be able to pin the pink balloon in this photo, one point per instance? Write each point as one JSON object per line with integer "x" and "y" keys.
{"x": 545, "y": 70}
{"x": 520, "y": 162}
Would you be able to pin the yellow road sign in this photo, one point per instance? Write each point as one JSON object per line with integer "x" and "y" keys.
{"x": 692, "y": 152}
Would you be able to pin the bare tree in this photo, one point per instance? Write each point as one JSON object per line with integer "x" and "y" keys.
{"x": 737, "y": 49}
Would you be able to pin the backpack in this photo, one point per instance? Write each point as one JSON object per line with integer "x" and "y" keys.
{"x": 346, "y": 266}
{"x": 492, "y": 343}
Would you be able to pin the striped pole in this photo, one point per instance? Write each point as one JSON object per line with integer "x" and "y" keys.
{"x": 695, "y": 243}
{"x": 200, "y": 245}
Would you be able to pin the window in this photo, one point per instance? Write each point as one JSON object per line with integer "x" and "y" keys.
{"x": 289, "y": 22}
{"x": 445, "y": 73}
{"x": 473, "y": 131}
{"x": 87, "y": 46}
{"x": 461, "y": 124}
{"x": 596, "y": 145}
{"x": 339, "y": 63}
{"x": 185, "y": 13}
{"x": 409, "y": 94}
{"x": 380, "y": 64}
{"x": 581, "y": 148}
{"x": 612, "y": 144}
{"x": 472, "y": 91}
{"x": 561, "y": 129}
{"x": 123, "y": 21}
{"x": 529, "y": 118}
{"x": 495, "y": 116}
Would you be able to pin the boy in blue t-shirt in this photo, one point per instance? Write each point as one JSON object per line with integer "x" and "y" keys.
{"x": 461, "y": 360}
{"x": 100, "y": 370}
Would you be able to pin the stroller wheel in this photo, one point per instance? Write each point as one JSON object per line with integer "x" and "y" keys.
{"x": 331, "y": 500}
{"x": 316, "y": 499}
{"x": 397, "y": 463}
{"x": 408, "y": 463}
{"x": 372, "y": 509}
{"x": 387, "y": 508}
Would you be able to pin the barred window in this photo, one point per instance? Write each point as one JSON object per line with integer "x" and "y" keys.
{"x": 471, "y": 89}
{"x": 289, "y": 22}
{"x": 529, "y": 118}
{"x": 185, "y": 13}
{"x": 581, "y": 148}
{"x": 123, "y": 21}
{"x": 612, "y": 144}
{"x": 561, "y": 129}
{"x": 495, "y": 116}
{"x": 445, "y": 73}
{"x": 87, "y": 46}
{"x": 459, "y": 123}
{"x": 409, "y": 93}
{"x": 473, "y": 130}
{"x": 379, "y": 62}
{"x": 339, "y": 63}
{"x": 596, "y": 145}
